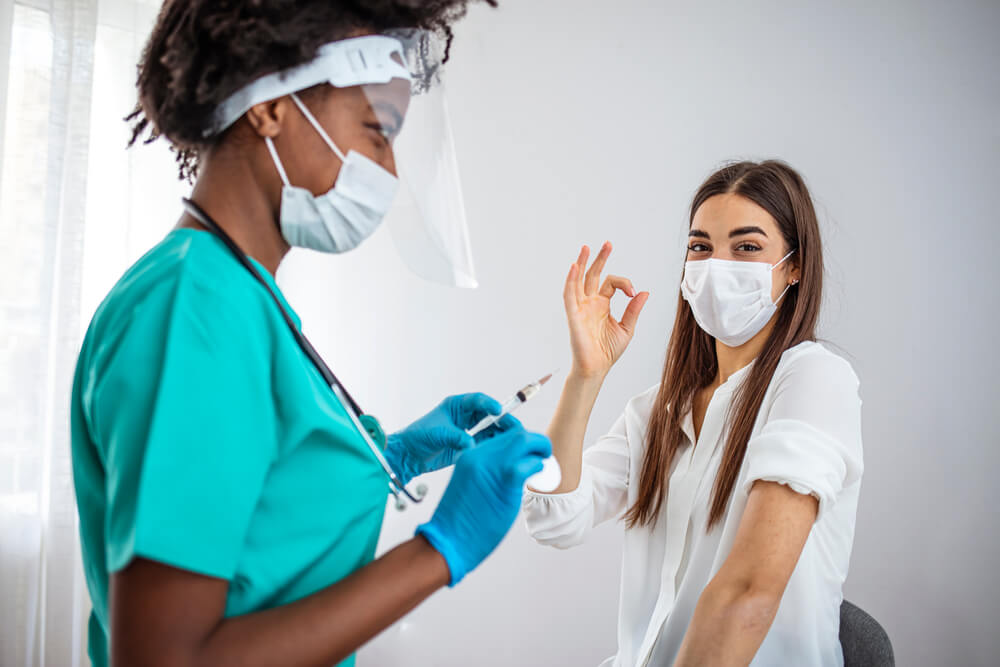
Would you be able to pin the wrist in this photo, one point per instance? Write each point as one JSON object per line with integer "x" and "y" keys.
{"x": 432, "y": 560}
{"x": 446, "y": 551}
{"x": 586, "y": 378}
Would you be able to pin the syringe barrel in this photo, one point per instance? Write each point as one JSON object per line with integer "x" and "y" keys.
{"x": 527, "y": 392}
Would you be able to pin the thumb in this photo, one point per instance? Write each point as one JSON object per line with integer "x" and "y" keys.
{"x": 525, "y": 468}
{"x": 631, "y": 315}
{"x": 458, "y": 439}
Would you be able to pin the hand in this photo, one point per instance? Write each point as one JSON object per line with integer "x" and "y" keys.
{"x": 437, "y": 439}
{"x": 483, "y": 498}
{"x": 597, "y": 339}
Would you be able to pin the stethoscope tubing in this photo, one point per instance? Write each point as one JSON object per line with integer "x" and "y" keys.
{"x": 354, "y": 411}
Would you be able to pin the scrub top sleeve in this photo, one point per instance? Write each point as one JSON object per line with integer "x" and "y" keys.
{"x": 811, "y": 440}
{"x": 187, "y": 422}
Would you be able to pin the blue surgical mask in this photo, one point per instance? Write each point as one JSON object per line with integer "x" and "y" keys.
{"x": 344, "y": 216}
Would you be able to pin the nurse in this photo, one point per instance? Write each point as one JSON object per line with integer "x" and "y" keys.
{"x": 230, "y": 490}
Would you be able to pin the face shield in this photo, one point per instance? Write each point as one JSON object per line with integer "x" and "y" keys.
{"x": 400, "y": 76}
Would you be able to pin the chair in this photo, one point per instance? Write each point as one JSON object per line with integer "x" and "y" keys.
{"x": 864, "y": 641}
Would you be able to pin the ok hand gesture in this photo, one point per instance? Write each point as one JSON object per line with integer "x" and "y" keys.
{"x": 597, "y": 339}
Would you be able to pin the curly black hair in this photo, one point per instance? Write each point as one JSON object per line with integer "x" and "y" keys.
{"x": 201, "y": 51}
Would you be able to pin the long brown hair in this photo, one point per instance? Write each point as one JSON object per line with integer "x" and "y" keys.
{"x": 691, "y": 362}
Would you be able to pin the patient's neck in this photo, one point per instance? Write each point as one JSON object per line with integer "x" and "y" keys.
{"x": 732, "y": 359}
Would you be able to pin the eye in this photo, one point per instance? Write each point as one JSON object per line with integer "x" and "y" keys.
{"x": 698, "y": 247}
{"x": 748, "y": 246}
{"x": 386, "y": 134}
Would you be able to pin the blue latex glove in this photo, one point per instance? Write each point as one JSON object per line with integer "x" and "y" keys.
{"x": 437, "y": 439}
{"x": 483, "y": 498}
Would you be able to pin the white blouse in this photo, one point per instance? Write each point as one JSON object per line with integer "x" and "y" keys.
{"x": 807, "y": 436}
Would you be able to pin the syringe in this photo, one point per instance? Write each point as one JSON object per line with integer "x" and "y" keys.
{"x": 551, "y": 475}
{"x": 511, "y": 404}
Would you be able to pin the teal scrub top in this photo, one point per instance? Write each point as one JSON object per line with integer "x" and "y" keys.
{"x": 204, "y": 438}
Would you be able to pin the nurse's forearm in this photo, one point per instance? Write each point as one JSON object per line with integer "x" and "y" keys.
{"x": 325, "y": 628}
{"x": 176, "y": 619}
{"x": 569, "y": 425}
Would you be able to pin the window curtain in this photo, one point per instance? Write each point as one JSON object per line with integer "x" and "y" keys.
{"x": 76, "y": 209}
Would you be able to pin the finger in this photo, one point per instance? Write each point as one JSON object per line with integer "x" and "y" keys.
{"x": 474, "y": 408}
{"x": 531, "y": 444}
{"x": 611, "y": 283}
{"x": 527, "y": 456}
{"x": 477, "y": 405}
{"x": 525, "y": 468}
{"x": 505, "y": 424}
{"x": 594, "y": 272}
{"x": 631, "y": 314}
{"x": 569, "y": 289}
{"x": 462, "y": 441}
{"x": 581, "y": 266}
{"x": 508, "y": 422}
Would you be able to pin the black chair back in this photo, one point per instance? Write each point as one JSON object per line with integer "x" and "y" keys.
{"x": 864, "y": 641}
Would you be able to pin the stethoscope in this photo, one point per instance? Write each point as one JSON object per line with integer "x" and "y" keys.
{"x": 366, "y": 425}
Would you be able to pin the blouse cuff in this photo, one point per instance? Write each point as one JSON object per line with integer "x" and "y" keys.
{"x": 560, "y": 519}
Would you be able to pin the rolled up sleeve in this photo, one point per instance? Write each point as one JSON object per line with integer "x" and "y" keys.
{"x": 564, "y": 520}
{"x": 811, "y": 441}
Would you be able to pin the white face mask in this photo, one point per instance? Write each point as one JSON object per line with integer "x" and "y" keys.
{"x": 340, "y": 219}
{"x": 731, "y": 300}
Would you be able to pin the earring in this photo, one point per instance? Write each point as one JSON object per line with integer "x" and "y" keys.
{"x": 795, "y": 282}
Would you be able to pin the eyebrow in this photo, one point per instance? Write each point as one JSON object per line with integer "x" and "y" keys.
{"x": 740, "y": 231}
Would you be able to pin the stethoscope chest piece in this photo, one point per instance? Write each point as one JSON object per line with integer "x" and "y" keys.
{"x": 374, "y": 429}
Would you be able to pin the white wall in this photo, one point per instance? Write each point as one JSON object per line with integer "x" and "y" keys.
{"x": 581, "y": 121}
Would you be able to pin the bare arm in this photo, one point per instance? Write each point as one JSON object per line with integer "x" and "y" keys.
{"x": 569, "y": 425}
{"x": 736, "y": 609}
{"x": 597, "y": 340}
{"x": 161, "y": 615}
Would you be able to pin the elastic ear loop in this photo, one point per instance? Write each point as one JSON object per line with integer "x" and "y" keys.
{"x": 782, "y": 295}
{"x": 774, "y": 266}
{"x": 277, "y": 161}
{"x": 319, "y": 128}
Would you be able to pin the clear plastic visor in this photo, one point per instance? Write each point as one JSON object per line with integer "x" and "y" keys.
{"x": 427, "y": 219}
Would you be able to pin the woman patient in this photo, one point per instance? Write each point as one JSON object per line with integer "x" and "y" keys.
{"x": 737, "y": 476}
